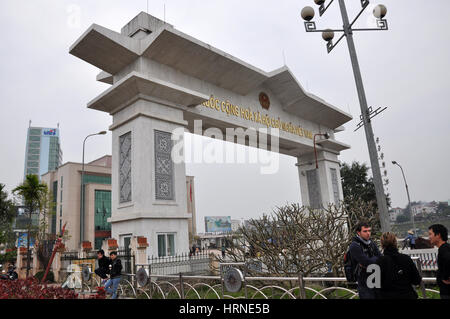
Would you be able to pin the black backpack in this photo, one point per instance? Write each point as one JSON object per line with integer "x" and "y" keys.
{"x": 350, "y": 267}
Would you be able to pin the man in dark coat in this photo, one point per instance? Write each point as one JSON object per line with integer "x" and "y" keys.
{"x": 398, "y": 271}
{"x": 438, "y": 235}
{"x": 115, "y": 275}
{"x": 103, "y": 265}
{"x": 363, "y": 252}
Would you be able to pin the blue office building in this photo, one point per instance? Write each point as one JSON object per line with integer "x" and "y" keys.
{"x": 43, "y": 151}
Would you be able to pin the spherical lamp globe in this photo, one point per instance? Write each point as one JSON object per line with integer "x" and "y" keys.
{"x": 307, "y": 13}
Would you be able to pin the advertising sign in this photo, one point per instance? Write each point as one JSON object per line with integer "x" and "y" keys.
{"x": 49, "y": 132}
{"x": 216, "y": 224}
{"x": 22, "y": 240}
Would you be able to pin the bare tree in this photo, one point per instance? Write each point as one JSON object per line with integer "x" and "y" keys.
{"x": 297, "y": 239}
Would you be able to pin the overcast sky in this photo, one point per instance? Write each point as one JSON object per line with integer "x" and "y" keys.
{"x": 406, "y": 69}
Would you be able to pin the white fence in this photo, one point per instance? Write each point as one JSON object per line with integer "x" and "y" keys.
{"x": 427, "y": 257}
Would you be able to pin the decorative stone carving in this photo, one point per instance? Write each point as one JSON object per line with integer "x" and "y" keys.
{"x": 125, "y": 167}
{"x": 164, "y": 177}
{"x": 334, "y": 182}
{"x": 315, "y": 196}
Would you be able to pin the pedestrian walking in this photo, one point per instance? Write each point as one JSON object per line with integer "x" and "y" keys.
{"x": 438, "y": 235}
{"x": 410, "y": 240}
{"x": 103, "y": 266}
{"x": 398, "y": 272}
{"x": 115, "y": 275}
{"x": 363, "y": 252}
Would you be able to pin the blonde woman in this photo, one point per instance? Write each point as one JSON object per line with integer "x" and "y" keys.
{"x": 398, "y": 271}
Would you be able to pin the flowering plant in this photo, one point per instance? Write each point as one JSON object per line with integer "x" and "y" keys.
{"x": 31, "y": 289}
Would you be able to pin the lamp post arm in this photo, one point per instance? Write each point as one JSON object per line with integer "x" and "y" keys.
{"x": 82, "y": 192}
{"x": 409, "y": 198}
{"x": 322, "y": 8}
{"x": 365, "y": 5}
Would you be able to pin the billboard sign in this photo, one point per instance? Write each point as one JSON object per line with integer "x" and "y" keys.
{"x": 216, "y": 224}
{"x": 22, "y": 240}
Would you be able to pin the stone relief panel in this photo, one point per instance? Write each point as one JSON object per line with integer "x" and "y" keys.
{"x": 164, "y": 174}
{"x": 315, "y": 196}
{"x": 334, "y": 181}
{"x": 125, "y": 168}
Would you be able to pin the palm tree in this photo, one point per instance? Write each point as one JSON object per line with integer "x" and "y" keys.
{"x": 32, "y": 191}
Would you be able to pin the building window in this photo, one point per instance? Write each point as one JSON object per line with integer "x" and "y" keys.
{"x": 35, "y": 138}
{"x": 102, "y": 210}
{"x": 33, "y": 164}
{"x": 34, "y": 151}
{"x": 166, "y": 245}
{"x": 96, "y": 179}
{"x": 32, "y": 171}
{"x": 61, "y": 182}
{"x": 34, "y": 145}
{"x": 35, "y": 131}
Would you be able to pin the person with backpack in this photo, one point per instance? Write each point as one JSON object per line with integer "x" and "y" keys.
{"x": 398, "y": 272}
{"x": 361, "y": 253}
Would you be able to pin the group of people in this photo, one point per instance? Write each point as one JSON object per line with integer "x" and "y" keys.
{"x": 398, "y": 272}
{"x": 110, "y": 271}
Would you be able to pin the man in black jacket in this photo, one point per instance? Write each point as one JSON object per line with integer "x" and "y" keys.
{"x": 103, "y": 265}
{"x": 398, "y": 271}
{"x": 363, "y": 252}
{"x": 438, "y": 236}
{"x": 115, "y": 275}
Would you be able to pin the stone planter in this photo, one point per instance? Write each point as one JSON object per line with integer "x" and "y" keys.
{"x": 142, "y": 242}
{"x": 87, "y": 246}
{"x": 112, "y": 244}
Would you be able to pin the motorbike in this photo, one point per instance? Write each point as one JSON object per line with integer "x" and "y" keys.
{"x": 11, "y": 274}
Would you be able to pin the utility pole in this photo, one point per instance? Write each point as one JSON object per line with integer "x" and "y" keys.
{"x": 366, "y": 113}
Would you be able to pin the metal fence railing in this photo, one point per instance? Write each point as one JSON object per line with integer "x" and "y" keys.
{"x": 212, "y": 287}
{"x": 183, "y": 263}
{"x": 127, "y": 258}
{"x": 188, "y": 286}
{"x": 427, "y": 257}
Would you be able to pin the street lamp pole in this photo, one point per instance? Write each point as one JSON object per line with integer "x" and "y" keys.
{"x": 373, "y": 154}
{"x": 328, "y": 35}
{"x": 409, "y": 199}
{"x": 82, "y": 212}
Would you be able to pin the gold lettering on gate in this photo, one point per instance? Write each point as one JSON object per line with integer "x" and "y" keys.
{"x": 257, "y": 117}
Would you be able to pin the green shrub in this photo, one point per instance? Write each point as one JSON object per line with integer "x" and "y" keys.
{"x": 50, "y": 276}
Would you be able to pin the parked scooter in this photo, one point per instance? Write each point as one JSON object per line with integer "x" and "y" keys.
{"x": 11, "y": 274}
